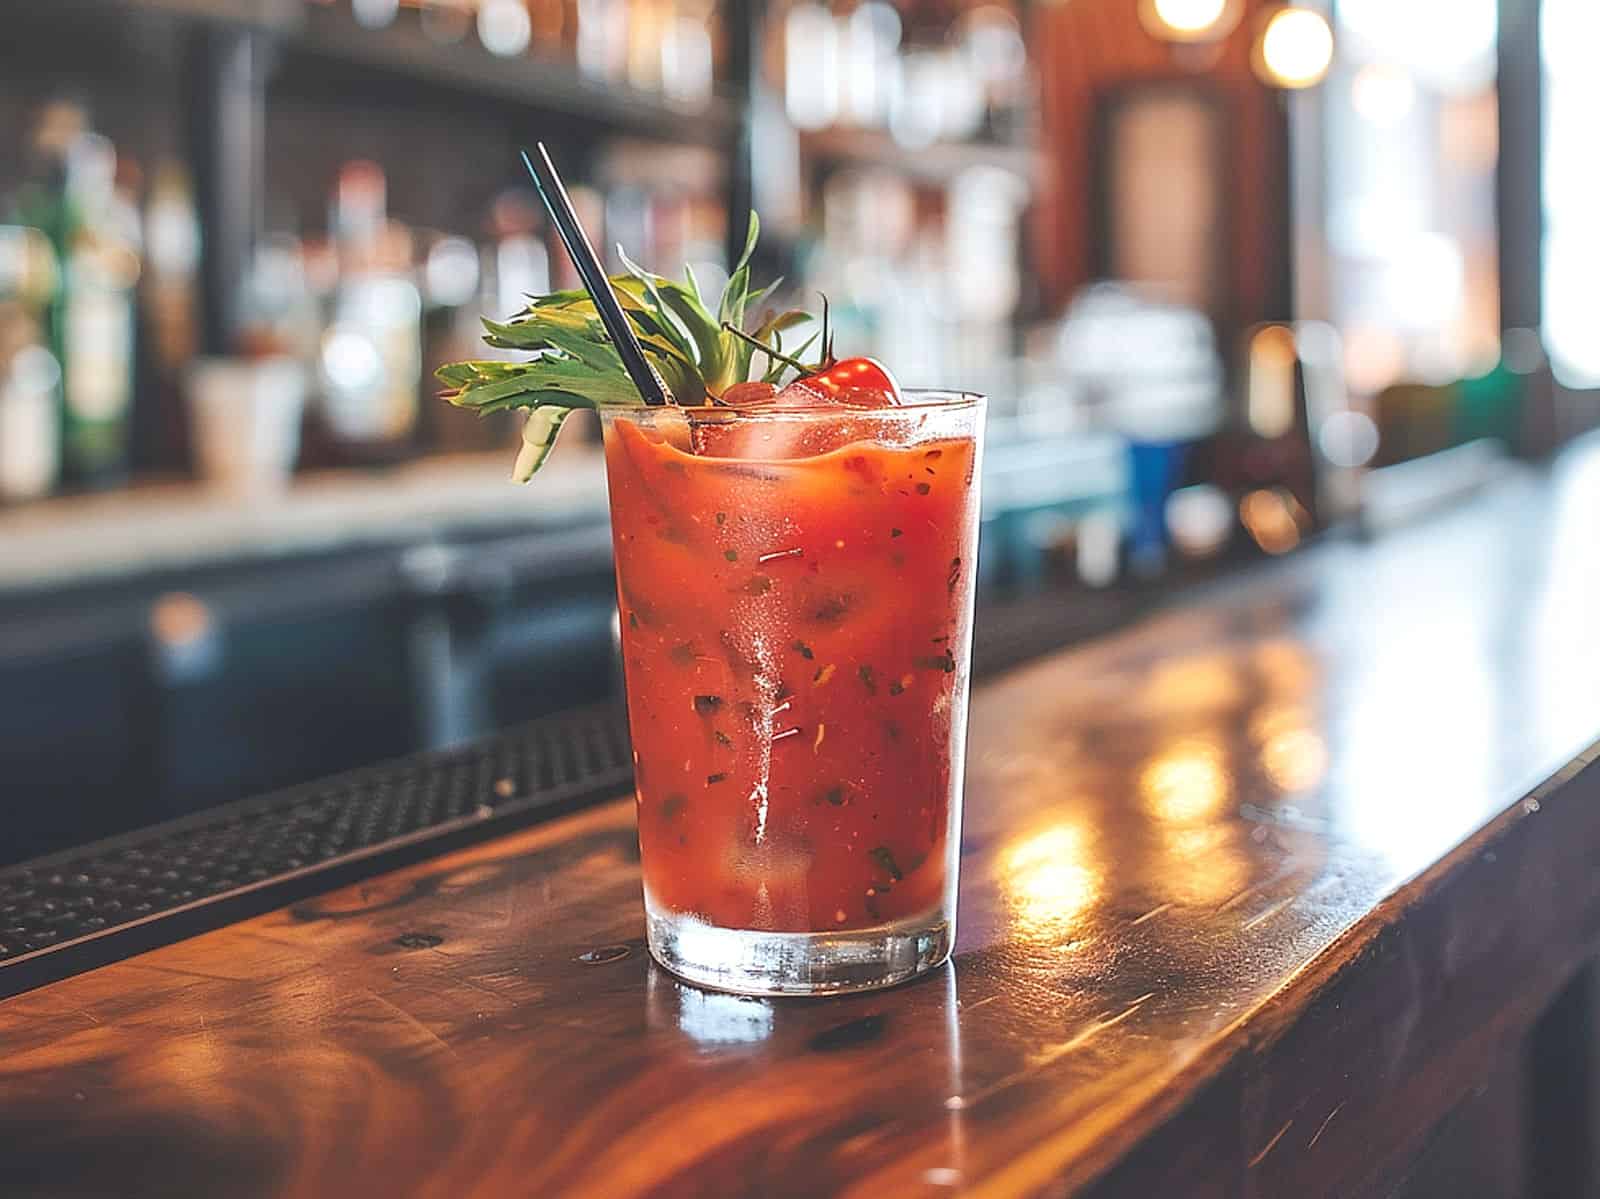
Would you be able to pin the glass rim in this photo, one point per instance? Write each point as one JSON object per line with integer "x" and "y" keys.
{"x": 924, "y": 401}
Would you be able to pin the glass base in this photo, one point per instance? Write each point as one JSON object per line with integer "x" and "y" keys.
{"x": 748, "y": 962}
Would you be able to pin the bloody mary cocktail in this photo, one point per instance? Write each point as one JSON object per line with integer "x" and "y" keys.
{"x": 795, "y": 589}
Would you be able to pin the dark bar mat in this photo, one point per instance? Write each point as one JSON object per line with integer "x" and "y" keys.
{"x": 82, "y": 908}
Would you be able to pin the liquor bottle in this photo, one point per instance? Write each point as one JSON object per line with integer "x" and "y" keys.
{"x": 172, "y": 254}
{"x": 169, "y": 300}
{"x": 101, "y": 331}
{"x": 371, "y": 361}
{"x": 688, "y": 52}
{"x": 30, "y": 375}
{"x": 73, "y": 197}
{"x": 42, "y": 202}
{"x": 647, "y": 26}
{"x": 869, "y": 53}
{"x": 1266, "y": 460}
{"x": 811, "y": 65}
{"x": 601, "y": 42}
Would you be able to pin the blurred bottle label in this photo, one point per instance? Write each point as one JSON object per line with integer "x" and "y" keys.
{"x": 372, "y": 360}
{"x": 30, "y": 447}
{"x": 602, "y": 40}
{"x": 99, "y": 336}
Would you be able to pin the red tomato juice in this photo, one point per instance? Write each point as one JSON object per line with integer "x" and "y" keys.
{"x": 795, "y": 638}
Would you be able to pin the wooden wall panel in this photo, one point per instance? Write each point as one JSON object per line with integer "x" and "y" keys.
{"x": 1087, "y": 48}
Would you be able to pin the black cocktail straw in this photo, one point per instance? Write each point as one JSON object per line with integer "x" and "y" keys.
{"x": 554, "y": 194}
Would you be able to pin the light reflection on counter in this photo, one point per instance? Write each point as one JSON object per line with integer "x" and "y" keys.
{"x": 1049, "y": 878}
{"x": 711, "y": 1019}
{"x": 950, "y": 1171}
{"x": 1200, "y": 866}
{"x": 1293, "y": 755}
{"x": 1286, "y": 668}
{"x": 1295, "y": 760}
{"x": 1195, "y": 683}
{"x": 1408, "y": 760}
{"x": 1186, "y": 782}
{"x": 1188, "y": 790}
{"x": 1568, "y": 667}
{"x": 192, "y": 1059}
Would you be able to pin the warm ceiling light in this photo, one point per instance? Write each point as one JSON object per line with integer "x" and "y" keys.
{"x": 1189, "y": 16}
{"x": 1189, "y": 20}
{"x": 1295, "y": 48}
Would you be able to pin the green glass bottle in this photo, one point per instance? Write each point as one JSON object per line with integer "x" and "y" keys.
{"x": 71, "y": 196}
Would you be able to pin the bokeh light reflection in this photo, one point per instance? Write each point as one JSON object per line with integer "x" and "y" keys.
{"x": 1049, "y": 878}
{"x": 1192, "y": 684}
{"x": 1295, "y": 760}
{"x": 1293, "y": 754}
{"x": 1190, "y": 20}
{"x": 1186, "y": 783}
{"x": 1285, "y": 669}
{"x": 1295, "y": 50}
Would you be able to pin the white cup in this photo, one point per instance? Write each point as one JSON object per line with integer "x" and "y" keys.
{"x": 244, "y": 420}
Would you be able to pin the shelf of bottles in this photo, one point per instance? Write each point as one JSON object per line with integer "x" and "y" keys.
{"x": 891, "y": 146}
{"x": 655, "y": 60}
{"x": 652, "y": 66}
{"x": 893, "y": 172}
{"x": 913, "y": 129}
{"x": 334, "y": 324}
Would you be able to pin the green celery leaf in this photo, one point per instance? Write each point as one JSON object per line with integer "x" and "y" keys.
{"x": 752, "y": 233}
{"x": 694, "y": 284}
{"x": 701, "y": 325}
{"x": 538, "y": 439}
{"x": 571, "y": 362}
{"x": 669, "y": 327}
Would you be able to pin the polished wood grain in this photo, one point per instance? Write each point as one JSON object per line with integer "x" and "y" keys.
{"x": 1260, "y": 898}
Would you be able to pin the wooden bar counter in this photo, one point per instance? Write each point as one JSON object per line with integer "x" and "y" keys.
{"x": 1288, "y": 891}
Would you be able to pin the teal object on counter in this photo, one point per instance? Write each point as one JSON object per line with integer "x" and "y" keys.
{"x": 1489, "y": 406}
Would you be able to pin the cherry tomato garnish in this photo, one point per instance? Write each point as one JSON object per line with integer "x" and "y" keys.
{"x": 861, "y": 382}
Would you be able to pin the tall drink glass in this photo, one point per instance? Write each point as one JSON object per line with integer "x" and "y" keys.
{"x": 796, "y": 589}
